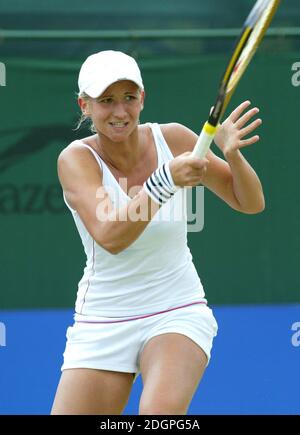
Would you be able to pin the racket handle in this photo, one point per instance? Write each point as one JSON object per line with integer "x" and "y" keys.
{"x": 204, "y": 140}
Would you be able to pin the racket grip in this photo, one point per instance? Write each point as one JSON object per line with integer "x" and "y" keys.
{"x": 204, "y": 140}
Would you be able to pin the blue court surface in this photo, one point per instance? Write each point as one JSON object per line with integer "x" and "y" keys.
{"x": 254, "y": 369}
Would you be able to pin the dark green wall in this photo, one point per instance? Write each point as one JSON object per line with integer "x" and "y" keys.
{"x": 240, "y": 258}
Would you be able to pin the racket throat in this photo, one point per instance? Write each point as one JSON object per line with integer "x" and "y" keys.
{"x": 218, "y": 109}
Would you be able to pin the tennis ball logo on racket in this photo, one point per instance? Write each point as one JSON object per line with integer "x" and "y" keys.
{"x": 296, "y": 76}
{"x": 296, "y": 335}
{"x": 2, "y": 74}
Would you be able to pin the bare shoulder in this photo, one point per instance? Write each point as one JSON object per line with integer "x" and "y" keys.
{"x": 75, "y": 162}
{"x": 178, "y": 137}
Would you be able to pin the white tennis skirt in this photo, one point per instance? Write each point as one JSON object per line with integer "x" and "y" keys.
{"x": 116, "y": 344}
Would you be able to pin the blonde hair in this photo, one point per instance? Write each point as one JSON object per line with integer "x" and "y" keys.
{"x": 84, "y": 118}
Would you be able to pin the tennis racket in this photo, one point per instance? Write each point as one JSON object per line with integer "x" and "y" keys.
{"x": 253, "y": 31}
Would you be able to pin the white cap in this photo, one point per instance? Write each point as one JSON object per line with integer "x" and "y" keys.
{"x": 102, "y": 69}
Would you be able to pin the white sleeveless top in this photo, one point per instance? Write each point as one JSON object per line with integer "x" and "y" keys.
{"x": 154, "y": 273}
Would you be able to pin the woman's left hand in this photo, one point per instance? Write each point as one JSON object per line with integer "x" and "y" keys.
{"x": 230, "y": 134}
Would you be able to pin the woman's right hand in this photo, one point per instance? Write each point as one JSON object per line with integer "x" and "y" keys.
{"x": 187, "y": 170}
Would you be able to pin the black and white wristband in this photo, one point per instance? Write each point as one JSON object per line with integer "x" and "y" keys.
{"x": 160, "y": 185}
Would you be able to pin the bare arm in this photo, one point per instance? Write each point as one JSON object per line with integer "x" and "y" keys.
{"x": 113, "y": 229}
{"x": 245, "y": 184}
{"x": 81, "y": 180}
{"x": 230, "y": 139}
{"x": 233, "y": 179}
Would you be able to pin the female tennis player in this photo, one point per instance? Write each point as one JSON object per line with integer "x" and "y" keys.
{"x": 140, "y": 306}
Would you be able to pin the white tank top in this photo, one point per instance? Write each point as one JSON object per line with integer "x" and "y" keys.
{"x": 154, "y": 273}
